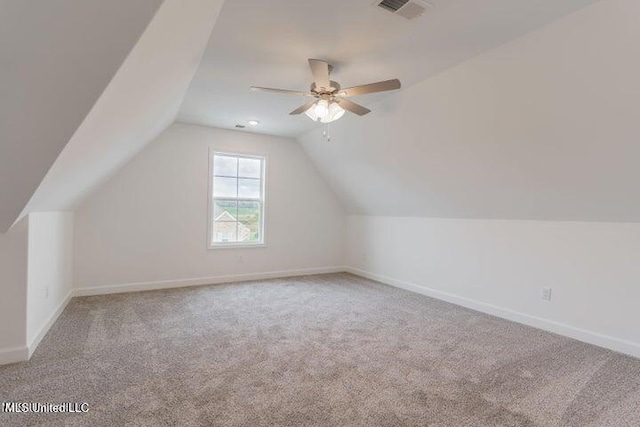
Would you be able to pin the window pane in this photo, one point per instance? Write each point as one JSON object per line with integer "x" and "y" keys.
{"x": 225, "y": 187}
{"x": 249, "y": 232}
{"x": 249, "y": 188}
{"x": 224, "y": 232}
{"x": 249, "y": 211}
{"x": 225, "y": 210}
{"x": 249, "y": 168}
{"x": 249, "y": 221}
{"x": 225, "y": 165}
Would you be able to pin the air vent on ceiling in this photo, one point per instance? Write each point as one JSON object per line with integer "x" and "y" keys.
{"x": 393, "y": 5}
{"x": 408, "y": 9}
{"x": 240, "y": 126}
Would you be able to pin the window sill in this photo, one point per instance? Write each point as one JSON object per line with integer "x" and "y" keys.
{"x": 236, "y": 246}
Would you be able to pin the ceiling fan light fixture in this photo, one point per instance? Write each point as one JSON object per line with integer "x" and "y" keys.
{"x": 325, "y": 111}
{"x": 311, "y": 112}
{"x": 322, "y": 109}
{"x": 335, "y": 112}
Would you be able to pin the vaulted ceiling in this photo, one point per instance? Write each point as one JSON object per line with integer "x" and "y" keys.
{"x": 544, "y": 127}
{"x": 57, "y": 58}
{"x": 267, "y": 43}
{"x": 141, "y": 101}
{"x": 511, "y": 129}
{"x": 86, "y": 85}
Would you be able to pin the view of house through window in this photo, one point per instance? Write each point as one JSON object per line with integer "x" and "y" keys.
{"x": 237, "y": 199}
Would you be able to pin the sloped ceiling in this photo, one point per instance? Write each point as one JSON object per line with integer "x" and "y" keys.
{"x": 545, "y": 127}
{"x": 267, "y": 43}
{"x": 56, "y": 59}
{"x": 140, "y": 102}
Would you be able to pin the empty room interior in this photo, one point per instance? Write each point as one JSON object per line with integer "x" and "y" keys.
{"x": 320, "y": 213}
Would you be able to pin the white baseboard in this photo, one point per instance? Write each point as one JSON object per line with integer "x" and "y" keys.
{"x": 23, "y": 353}
{"x": 200, "y": 281}
{"x": 600, "y": 340}
{"x": 14, "y": 355}
{"x": 48, "y": 324}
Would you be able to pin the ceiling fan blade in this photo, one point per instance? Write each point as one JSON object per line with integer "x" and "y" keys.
{"x": 301, "y": 109}
{"x": 280, "y": 91}
{"x": 352, "y": 106}
{"x": 320, "y": 71}
{"x": 371, "y": 88}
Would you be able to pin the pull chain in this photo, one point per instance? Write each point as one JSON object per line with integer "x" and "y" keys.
{"x": 326, "y": 133}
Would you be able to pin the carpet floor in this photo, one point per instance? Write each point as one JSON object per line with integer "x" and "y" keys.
{"x": 330, "y": 350}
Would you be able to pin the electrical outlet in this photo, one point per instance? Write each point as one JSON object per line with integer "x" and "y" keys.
{"x": 546, "y": 293}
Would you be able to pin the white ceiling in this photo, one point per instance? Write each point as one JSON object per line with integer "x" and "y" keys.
{"x": 267, "y": 43}
{"x": 56, "y": 59}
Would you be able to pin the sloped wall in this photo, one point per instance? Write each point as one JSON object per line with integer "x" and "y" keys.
{"x": 545, "y": 127}
{"x": 57, "y": 58}
{"x": 149, "y": 223}
{"x": 141, "y": 100}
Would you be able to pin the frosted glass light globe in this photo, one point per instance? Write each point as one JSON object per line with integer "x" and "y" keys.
{"x": 335, "y": 112}
{"x": 322, "y": 109}
{"x": 311, "y": 113}
{"x": 325, "y": 112}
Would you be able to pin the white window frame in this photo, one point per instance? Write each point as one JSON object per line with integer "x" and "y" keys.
{"x": 210, "y": 220}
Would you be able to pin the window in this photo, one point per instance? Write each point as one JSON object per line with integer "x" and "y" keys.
{"x": 236, "y": 200}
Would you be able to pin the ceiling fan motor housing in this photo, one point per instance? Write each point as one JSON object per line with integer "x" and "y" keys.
{"x": 335, "y": 87}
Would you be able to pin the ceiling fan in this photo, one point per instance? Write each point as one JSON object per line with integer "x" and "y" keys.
{"x": 329, "y": 99}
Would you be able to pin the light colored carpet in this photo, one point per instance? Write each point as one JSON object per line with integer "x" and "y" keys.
{"x": 331, "y": 350}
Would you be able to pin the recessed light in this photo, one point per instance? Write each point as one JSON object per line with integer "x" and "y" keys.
{"x": 254, "y": 122}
